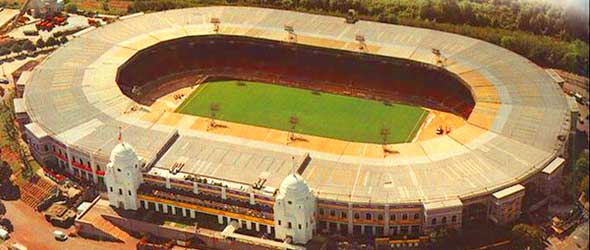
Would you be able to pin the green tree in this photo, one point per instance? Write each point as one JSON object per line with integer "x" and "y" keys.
{"x": 467, "y": 14}
{"x": 427, "y": 10}
{"x": 4, "y": 51}
{"x": 40, "y": 43}
{"x": 28, "y": 46}
{"x": 527, "y": 237}
{"x": 63, "y": 40}
{"x": 17, "y": 48}
{"x": 5, "y": 172}
{"x": 450, "y": 11}
{"x": 105, "y": 5}
{"x": 71, "y": 8}
{"x": 583, "y": 187}
{"x": 51, "y": 42}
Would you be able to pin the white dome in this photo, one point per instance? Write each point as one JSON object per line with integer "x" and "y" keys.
{"x": 294, "y": 185}
{"x": 124, "y": 155}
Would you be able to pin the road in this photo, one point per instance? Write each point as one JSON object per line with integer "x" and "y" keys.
{"x": 578, "y": 239}
{"x": 32, "y": 231}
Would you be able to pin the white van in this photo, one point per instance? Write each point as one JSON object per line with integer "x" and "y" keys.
{"x": 3, "y": 234}
{"x": 59, "y": 235}
{"x": 17, "y": 246}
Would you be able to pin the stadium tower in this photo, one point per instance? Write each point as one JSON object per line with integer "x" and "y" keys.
{"x": 123, "y": 177}
{"x": 294, "y": 210}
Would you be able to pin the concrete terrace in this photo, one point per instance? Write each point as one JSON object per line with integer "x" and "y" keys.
{"x": 511, "y": 134}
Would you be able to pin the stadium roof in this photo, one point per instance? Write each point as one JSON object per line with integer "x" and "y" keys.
{"x": 511, "y": 134}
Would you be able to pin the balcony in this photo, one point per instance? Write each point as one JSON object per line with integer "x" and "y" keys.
{"x": 209, "y": 203}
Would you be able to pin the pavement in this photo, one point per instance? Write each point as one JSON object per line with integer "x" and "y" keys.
{"x": 73, "y": 22}
{"x": 6, "y": 15}
{"x": 578, "y": 239}
{"x": 32, "y": 231}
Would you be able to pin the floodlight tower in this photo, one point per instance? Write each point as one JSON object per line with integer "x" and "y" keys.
{"x": 293, "y": 120}
{"x": 439, "y": 58}
{"x": 385, "y": 133}
{"x": 291, "y": 36}
{"x": 213, "y": 109}
{"x": 215, "y": 21}
{"x": 362, "y": 45}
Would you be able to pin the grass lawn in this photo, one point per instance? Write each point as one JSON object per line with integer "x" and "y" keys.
{"x": 326, "y": 115}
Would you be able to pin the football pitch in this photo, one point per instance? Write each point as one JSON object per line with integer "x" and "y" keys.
{"x": 319, "y": 114}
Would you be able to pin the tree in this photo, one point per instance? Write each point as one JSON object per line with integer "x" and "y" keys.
{"x": 5, "y": 172}
{"x": 583, "y": 187}
{"x": 427, "y": 10}
{"x": 105, "y": 5}
{"x": 17, "y": 48}
{"x": 467, "y": 13}
{"x": 450, "y": 11}
{"x": 4, "y": 51}
{"x": 40, "y": 43}
{"x": 527, "y": 237}
{"x": 28, "y": 46}
{"x": 63, "y": 40}
{"x": 51, "y": 42}
{"x": 71, "y": 8}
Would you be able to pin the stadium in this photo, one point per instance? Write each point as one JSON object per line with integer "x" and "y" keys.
{"x": 200, "y": 94}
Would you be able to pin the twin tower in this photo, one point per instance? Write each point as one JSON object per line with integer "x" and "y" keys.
{"x": 294, "y": 207}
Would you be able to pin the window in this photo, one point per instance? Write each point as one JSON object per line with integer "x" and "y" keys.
{"x": 444, "y": 220}
{"x": 321, "y": 211}
{"x": 454, "y": 218}
{"x": 120, "y": 191}
{"x": 279, "y": 222}
{"x": 379, "y": 217}
{"x": 289, "y": 202}
{"x": 344, "y": 215}
{"x": 405, "y": 217}
{"x": 356, "y": 215}
{"x": 392, "y": 217}
{"x": 299, "y": 226}
{"x": 332, "y": 213}
{"x": 129, "y": 192}
{"x": 111, "y": 189}
{"x": 289, "y": 225}
{"x": 118, "y": 170}
{"x": 433, "y": 221}
{"x": 368, "y": 216}
{"x": 416, "y": 216}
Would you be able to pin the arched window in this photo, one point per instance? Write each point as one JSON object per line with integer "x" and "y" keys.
{"x": 444, "y": 220}
{"x": 368, "y": 216}
{"x": 433, "y": 221}
{"x": 416, "y": 216}
{"x": 454, "y": 218}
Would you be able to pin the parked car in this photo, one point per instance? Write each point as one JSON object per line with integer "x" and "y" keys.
{"x": 3, "y": 234}
{"x": 59, "y": 235}
{"x": 17, "y": 246}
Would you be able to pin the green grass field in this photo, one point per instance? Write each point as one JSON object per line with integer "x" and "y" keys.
{"x": 326, "y": 115}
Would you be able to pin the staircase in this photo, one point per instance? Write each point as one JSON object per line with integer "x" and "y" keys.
{"x": 35, "y": 192}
